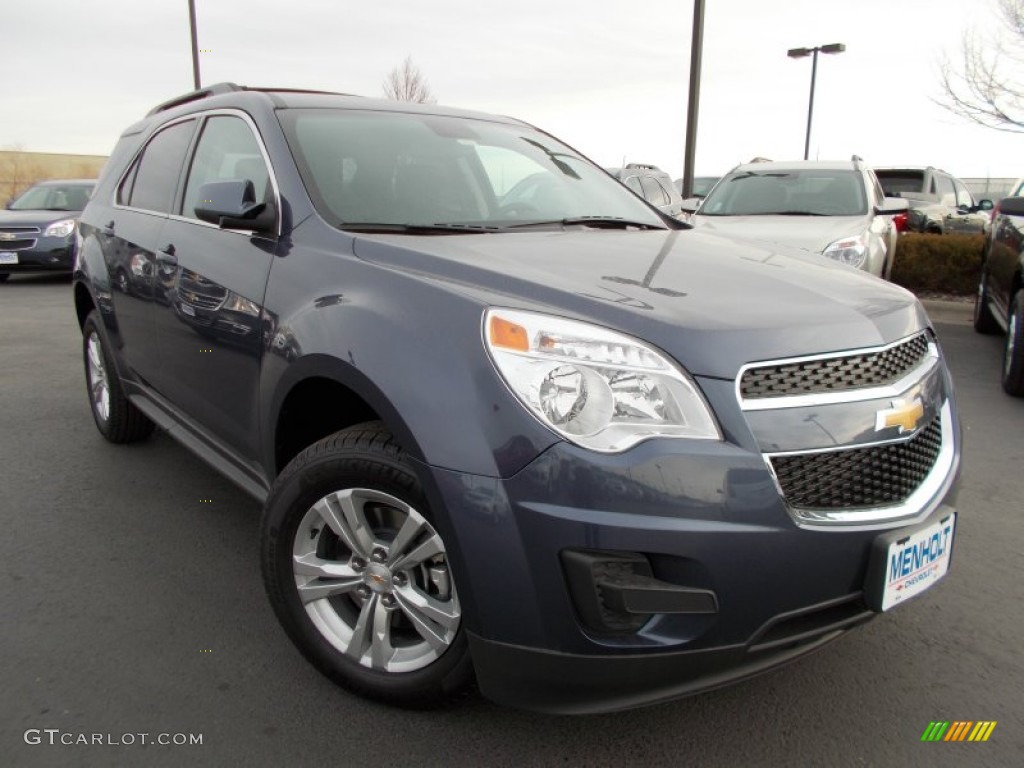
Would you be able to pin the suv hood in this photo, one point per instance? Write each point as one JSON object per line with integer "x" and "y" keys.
{"x": 713, "y": 303}
{"x": 811, "y": 233}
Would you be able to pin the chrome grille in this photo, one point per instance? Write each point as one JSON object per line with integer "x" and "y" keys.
{"x": 832, "y": 374}
{"x": 876, "y": 476}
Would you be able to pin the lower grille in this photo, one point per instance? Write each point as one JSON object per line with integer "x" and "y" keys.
{"x": 879, "y": 476}
{"x": 17, "y": 245}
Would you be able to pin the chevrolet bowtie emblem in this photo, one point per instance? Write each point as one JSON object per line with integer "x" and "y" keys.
{"x": 904, "y": 414}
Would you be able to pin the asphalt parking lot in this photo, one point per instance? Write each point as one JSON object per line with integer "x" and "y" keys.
{"x": 131, "y": 603}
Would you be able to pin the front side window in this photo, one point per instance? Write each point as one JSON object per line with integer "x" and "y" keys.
{"x": 151, "y": 183}
{"x": 810, "y": 192}
{"x": 396, "y": 169}
{"x": 227, "y": 150}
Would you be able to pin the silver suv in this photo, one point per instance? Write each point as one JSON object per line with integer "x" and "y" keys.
{"x": 939, "y": 202}
{"x": 835, "y": 208}
{"x": 652, "y": 184}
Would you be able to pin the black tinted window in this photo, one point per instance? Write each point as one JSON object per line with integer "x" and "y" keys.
{"x": 227, "y": 150}
{"x": 157, "y": 175}
{"x": 900, "y": 183}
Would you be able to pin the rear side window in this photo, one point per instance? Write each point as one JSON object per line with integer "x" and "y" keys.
{"x": 653, "y": 191}
{"x": 227, "y": 150}
{"x": 151, "y": 182}
{"x": 944, "y": 189}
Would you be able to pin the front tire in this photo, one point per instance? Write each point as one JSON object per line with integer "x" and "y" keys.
{"x": 1013, "y": 353}
{"x": 116, "y": 418}
{"x": 358, "y": 576}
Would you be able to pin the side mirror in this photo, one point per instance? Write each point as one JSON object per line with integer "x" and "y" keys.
{"x": 890, "y": 206}
{"x": 984, "y": 205}
{"x": 691, "y": 204}
{"x": 232, "y": 205}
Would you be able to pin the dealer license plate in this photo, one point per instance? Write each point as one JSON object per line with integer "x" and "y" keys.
{"x": 916, "y": 561}
{"x": 8, "y": 257}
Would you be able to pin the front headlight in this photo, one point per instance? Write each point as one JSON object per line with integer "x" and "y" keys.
{"x": 597, "y": 388}
{"x": 237, "y": 303}
{"x": 61, "y": 228}
{"x": 852, "y": 251}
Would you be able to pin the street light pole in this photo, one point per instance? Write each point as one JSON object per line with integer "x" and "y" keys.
{"x": 799, "y": 53}
{"x": 696, "y": 53}
{"x": 195, "y": 44}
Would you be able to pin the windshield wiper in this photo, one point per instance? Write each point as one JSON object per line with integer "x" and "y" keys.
{"x": 797, "y": 213}
{"x": 601, "y": 222}
{"x": 418, "y": 229}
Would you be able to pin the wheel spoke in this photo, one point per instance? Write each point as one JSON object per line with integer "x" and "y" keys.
{"x": 431, "y": 618}
{"x": 95, "y": 358}
{"x": 362, "y": 632}
{"x": 328, "y": 578}
{"x": 408, "y": 533}
{"x": 428, "y": 549}
{"x": 381, "y": 652}
{"x": 344, "y": 515}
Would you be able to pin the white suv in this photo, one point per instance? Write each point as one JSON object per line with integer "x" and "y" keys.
{"x": 837, "y": 209}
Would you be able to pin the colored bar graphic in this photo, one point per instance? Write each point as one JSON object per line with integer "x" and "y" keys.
{"x": 958, "y": 730}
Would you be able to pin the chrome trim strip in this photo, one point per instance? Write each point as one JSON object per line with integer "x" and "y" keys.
{"x": 914, "y": 508}
{"x": 19, "y": 231}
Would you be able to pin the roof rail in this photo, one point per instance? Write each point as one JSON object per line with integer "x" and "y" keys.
{"x": 211, "y": 90}
{"x": 643, "y": 166}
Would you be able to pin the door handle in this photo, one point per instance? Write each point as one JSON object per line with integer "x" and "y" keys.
{"x": 166, "y": 255}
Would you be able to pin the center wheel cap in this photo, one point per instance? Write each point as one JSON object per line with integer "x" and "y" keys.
{"x": 378, "y": 578}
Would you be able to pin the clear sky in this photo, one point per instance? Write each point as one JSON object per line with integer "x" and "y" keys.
{"x": 609, "y": 77}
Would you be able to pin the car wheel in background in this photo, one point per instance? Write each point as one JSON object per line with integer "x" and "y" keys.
{"x": 358, "y": 576}
{"x": 116, "y": 418}
{"x": 984, "y": 320}
{"x": 1013, "y": 355}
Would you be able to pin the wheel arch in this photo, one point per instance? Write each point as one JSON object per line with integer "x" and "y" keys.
{"x": 318, "y": 395}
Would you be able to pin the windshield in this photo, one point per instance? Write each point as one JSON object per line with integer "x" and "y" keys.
{"x": 414, "y": 170}
{"x": 812, "y": 192}
{"x": 53, "y": 197}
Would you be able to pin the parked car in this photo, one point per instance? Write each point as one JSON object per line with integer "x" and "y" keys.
{"x": 833, "y": 208}
{"x": 652, "y": 184}
{"x": 37, "y": 228}
{"x": 701, "y": 185}
{"x": 582, "y": 452}
{"x": 999, "y": 303}
{"x": 939, "y": 202}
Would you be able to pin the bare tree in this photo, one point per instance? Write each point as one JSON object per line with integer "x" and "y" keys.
{"x": 407, "y": 83}
{"x": 985, "y": 87}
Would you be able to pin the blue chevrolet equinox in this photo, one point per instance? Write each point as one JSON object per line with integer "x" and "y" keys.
{"x": 510, "y": 426}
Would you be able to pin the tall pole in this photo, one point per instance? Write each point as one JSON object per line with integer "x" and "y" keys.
{"x": 810, "y": 104}
{"x": 195, "y": 44}
{"x": 696, "y": 51}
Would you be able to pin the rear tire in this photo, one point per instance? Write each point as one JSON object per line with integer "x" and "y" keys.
{"x": 116, "y": 418}
{"x": 358, "y": 576}
{"x": 1013, "y": 353}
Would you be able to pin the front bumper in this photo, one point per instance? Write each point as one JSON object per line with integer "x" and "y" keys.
{"x": 706, "y": 517}
{"x": 50, "y": 254}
